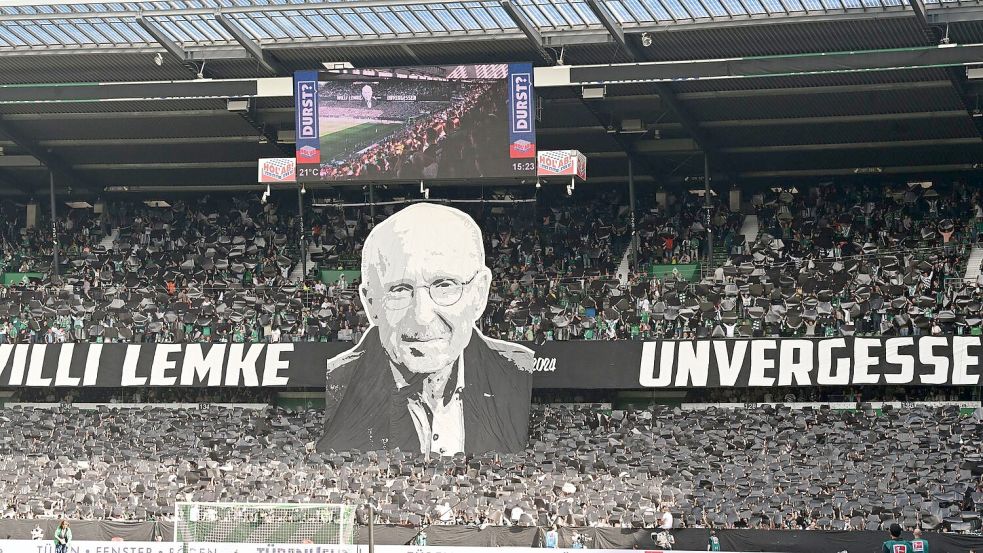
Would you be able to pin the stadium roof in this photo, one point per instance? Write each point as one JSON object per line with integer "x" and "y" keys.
{"x": 31, "y": 26}
{"x": 61, "y": 35}
{"x": 777, "y": 106}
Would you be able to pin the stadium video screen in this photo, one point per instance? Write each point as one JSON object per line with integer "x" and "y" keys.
{"x": 416, "y": 123}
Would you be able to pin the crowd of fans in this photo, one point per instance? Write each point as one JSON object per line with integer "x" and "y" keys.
{"x": 109, "y": 395}
{"x": 836, "y": 394}
{"x": 187, "y": 272}
{"x": 608, "y": 398}
{"x": 830, "y": 261}
{"x": 827, "y": 261}
{"x": 755, "y": 468}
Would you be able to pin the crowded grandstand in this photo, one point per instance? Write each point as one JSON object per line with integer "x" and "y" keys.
{"x": 317, "y": 277}
{"x": 825, "y": 261}
{"x": 205, "y": 270}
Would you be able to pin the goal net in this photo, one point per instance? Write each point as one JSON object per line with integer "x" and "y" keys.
{"x": 264, "y": 523}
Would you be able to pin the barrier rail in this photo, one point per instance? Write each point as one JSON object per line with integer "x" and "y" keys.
{"x": 467, "y": 539}
{"x": 46, "y": 546}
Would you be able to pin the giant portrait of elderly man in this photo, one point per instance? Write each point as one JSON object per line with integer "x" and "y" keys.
{"x": 424, "y": 378}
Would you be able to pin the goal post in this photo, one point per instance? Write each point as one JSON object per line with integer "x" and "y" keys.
{"x": 264, "y": 523}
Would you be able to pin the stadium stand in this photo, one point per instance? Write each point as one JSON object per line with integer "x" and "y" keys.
{"x": 770, "y": 468}
{"x": 829, "y": 261}
{"x": 789, "y": 169}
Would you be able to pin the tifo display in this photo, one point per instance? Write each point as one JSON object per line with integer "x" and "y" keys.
{"x": 330, "y": 276}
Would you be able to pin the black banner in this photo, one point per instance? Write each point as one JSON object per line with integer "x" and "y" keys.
{"x": 687, "y": 539}
{"x": 761, "y": 362}
{"x": 922, "y": 360}
{"x": 149, "y": 365}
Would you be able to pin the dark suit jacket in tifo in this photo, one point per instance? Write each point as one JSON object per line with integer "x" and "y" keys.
{"x": 364, "y": 410}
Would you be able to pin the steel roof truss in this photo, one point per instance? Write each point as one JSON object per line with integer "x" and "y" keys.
{"x": 262, "y": 57}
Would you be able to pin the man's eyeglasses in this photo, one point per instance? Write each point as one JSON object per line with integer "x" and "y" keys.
{"x": 444, "y": 292}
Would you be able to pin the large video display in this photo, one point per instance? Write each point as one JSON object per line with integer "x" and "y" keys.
{"x": 416, "y": 123}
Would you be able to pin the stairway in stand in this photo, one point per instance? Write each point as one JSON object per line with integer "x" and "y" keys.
{"x": 108, "y": 240}
{"x": 750, "y": 229}
{"x": 973, "y": 265}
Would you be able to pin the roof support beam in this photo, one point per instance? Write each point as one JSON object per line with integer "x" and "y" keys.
{"x": 832, "y": 119}
{"x": 682, "y": 145}
{"x": 195, "y": 89}
{"x": 918, "y": 6}
{"x": 957, "y": 76}
{"x": 44, "y": 155}
{"x": 626, "y": 144}
{"x": 409, "y": 52}
{"x": 959, "y": 83}
{"x": 116, "y": 115}
{"x": 282, "y": 87}
{"x": 9, "y": 186}
{"x": 777, "y": 122}
{"x": 576, "y": 131}
{"x": 154, "y": 90}
{"x": 649, "y": 99}
{"x": 689, "y": 123}
{"x": 960, "y": 14}
{"x": 665, "y": 92}
{"x": 172, "y": 48}
{"x": 904, "y": 170}
{"x": 167, "y": 166}
{"x": 666, "y": 146}
{"x": 133, "y": 142}
{"x": 528, "y": 29}
{"x": 613, "y": 27}
{"x": 811, "y": 90}
{"x": 526, "y": 26}
{"x": 19, "y": 161}
{"x": 262, "y": 57}
{"x": 616, "y": 32}
{"x": 806, "y": 64}
{"x": 853, "y": 146}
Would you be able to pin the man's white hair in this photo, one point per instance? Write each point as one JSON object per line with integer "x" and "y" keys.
{"x": 420, "y": 219}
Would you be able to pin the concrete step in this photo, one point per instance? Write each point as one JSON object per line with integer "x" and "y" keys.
{"x": 297, "y": 274}
{"x": 624, "y": 267}
{"x": 973, "y": 265}
{"x": 749, "y": 228}
{"x": 108, "y": 240}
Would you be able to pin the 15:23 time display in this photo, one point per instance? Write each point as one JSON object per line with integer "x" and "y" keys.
{"x": 524, "y": 166}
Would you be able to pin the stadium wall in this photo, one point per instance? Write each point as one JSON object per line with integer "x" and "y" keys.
{"x": 691, "y": 539}
{"x": 87, "y": 530}
{"x": 458, "y": 539}
{"x": 31, "y": 546}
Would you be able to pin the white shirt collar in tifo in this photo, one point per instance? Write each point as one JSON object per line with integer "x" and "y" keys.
{"x": 445, "y": 434}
